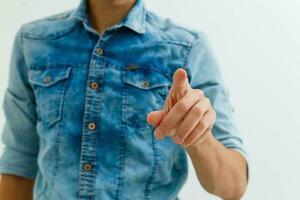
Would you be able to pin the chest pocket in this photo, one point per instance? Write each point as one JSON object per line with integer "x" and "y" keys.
{"x": 145, "y": 91}
{"x": 49, "y": 88}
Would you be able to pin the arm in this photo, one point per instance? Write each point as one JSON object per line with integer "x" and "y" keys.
{"x": 15, "y": 187}
{"x": 188, "y": 118}
{"x": 198, "y": 116}
{"x": 224, "y": 171}
{"x": 18, "y": 162}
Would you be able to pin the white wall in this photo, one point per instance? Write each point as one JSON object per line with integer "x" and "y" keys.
{"x": 257, "y": 45}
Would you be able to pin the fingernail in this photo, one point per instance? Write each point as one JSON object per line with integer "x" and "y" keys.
{"x": 176, "y": 139}
{"x": 158, "y": 134}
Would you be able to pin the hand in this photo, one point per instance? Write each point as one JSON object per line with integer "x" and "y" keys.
{"x": 187, "y": 116}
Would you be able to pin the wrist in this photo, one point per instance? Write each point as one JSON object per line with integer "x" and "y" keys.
{"x": 205, "y": 142}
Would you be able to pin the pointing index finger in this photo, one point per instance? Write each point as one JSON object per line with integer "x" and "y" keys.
{"x": 180, "y": 80}
{"x": 180, "y": 84}
{"x": 178, "y": 89}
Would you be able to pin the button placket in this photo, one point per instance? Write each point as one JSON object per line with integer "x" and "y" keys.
{"x": 91, "y": 115}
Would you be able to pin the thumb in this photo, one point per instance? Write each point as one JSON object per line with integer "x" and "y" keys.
{"x": 155, "y": 117}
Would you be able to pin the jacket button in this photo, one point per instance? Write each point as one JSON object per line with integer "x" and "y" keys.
{"x": 100, "y": 51}
{"x": 47, "y": 79}
{"x": 94, "y": 85}
{"x": 145, "y": 84}
{"x": 87, "y": 167}
{"x": 92, "y": 126}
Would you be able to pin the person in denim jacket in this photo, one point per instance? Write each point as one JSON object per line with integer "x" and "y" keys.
{"x": 106, "y": 101}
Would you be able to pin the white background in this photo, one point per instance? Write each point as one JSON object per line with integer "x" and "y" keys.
{"x": 258, "y": 48}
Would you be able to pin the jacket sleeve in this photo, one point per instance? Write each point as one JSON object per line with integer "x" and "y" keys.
{"x": 19, "y": 136}
{"x": 204, "y": 73}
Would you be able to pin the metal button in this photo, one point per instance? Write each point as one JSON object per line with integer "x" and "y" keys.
{"x": 145, "y": 84}
{"x": 47, "y": 79}
{"x": 91, "y": 126}
{"x": 94, "y": 85}
{"x": 87, "y": 167}
{"x": 100, "y": 51}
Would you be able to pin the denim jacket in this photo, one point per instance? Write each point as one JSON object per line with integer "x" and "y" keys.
{"x": 76, "y": 105}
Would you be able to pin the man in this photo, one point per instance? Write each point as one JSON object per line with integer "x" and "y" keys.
{"x": 83, "y": 85}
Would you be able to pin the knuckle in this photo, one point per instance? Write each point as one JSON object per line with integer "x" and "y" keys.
{"x": 173, "y": 94}
{"x": 199, "y": 93}
{"x": 184, "y": 128}
{"x": 182, "y": 107}
{"x": 214, "y": 113}
{"x": 202, "y": 124}
{"x": 208, "y": 101}
{"x": 198, "y": 111}
{"x": 188, "y": 141}
{"x": 164, "y": 128}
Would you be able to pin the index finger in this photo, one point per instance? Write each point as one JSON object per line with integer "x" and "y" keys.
{"x": 180, "y": 80}
{"x": 178, "y": 89}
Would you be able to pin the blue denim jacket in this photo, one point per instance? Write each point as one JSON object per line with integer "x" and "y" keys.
{"x": 76, "y": 105}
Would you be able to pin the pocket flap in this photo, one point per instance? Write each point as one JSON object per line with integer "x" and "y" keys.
{"x": 145, "y": 78}
{"x": 49, "y": 76}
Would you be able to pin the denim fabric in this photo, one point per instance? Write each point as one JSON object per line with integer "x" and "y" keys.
{"x": 76, "y": 105}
